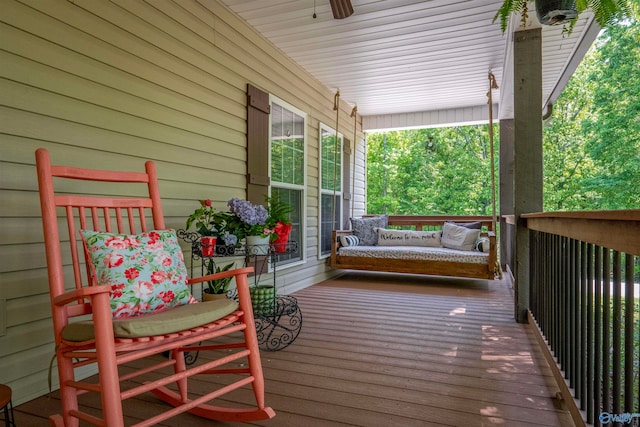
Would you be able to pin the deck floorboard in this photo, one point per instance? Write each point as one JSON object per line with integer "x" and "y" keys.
{"x": 388, "y": 350}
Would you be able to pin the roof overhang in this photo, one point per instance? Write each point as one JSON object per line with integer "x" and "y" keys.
{"x": 413, "y": 63}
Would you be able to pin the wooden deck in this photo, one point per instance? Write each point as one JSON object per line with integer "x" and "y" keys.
{"x": 392, "y": 350}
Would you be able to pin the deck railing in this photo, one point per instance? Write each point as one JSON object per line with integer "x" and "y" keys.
{"x": 584, "y": 298}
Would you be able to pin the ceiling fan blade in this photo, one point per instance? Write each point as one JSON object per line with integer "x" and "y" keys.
{"x": 341, "y": 8}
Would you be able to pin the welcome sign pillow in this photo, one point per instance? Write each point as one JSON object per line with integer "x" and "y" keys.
{"x": 408, "y": 238}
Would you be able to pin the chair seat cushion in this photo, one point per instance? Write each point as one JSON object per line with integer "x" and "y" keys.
{"x": 176, "y": 319}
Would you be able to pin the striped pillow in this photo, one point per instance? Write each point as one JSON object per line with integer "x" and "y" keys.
{"x": 349, "y": 240}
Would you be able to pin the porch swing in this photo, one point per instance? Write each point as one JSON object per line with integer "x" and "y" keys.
{"x": 421, "y": 244}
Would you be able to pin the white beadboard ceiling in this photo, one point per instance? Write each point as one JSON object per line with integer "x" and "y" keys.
{"x": 402, "y": 57}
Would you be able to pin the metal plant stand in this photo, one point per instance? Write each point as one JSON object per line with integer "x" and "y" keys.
{"x": 278, "y": 318}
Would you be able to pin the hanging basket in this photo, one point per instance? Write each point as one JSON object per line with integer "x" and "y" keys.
{"x": 555, "y": 12}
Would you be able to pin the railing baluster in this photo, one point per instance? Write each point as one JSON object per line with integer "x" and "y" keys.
{"x": 552, "y": 301}
{"x": 575, "y": 314}
{"x": 628, "y": 334}
{"x": 617, "y": 342}
{"x": 606, "y": 331}
{"x": 581, "y": 391}
{"x": 566, "y": 302}
{"x": 597, "y": 341}
{"x": 560, "y": 290}
{"x": 589, "y": 335}
{"x": 558, "y": 293}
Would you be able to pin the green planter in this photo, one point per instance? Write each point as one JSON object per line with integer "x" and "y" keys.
{"x": 263, "y": 299}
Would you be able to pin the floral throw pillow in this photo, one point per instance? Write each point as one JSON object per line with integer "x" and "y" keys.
{"x": 146, "y": 271}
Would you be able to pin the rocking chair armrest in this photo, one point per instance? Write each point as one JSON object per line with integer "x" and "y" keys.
{"x": 82, "y": 293}
{"x": 221, "y": 275}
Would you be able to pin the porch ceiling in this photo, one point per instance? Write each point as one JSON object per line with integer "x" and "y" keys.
{"x": 399, "y": 57}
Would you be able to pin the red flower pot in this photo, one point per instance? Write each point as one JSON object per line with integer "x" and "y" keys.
{"x": 283, "y": 231}
{"x": 208, "y": 244}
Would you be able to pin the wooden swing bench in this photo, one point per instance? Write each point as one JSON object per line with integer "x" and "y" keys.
{"x": 436, "y": 261}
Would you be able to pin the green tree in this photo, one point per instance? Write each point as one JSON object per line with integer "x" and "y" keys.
{"x": 429, "y": 171}
{"x": 592, "y": 147}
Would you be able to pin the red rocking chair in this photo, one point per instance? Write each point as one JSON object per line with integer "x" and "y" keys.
{"x": 128, "y": 298}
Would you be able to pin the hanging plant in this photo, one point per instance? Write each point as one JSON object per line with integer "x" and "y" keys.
{"x": 565, "y": 12}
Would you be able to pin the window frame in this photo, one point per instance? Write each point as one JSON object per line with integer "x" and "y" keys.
{"x": 337, "y": 223}
{"x": 290, "y": 186}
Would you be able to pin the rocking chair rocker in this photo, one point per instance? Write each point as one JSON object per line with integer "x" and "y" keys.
{"x": 92, "y": 326}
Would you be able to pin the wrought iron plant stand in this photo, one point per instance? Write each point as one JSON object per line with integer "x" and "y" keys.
{"x": 278, "y": 317}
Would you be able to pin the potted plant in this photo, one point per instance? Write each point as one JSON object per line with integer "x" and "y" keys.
{"x": 251, "y": 221}
{"x": 202, "y": 218}
{"x": 217, "y": 288}
{"x": 555, "y": 12}
{"x": 279, "y": 221}
{"x": 229, "y": 233}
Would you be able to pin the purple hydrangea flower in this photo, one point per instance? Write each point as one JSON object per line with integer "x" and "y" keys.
{"x": 229, "y": 239}
{"x": 248, "y": 213}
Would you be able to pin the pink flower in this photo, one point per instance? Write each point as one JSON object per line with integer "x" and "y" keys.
{"x": 207, "y": 202}
{"x": 143, "y": 307}
{"x": 166, "y": 261}
{"x": 154, "y": 235}
{"x": 116, "y": 242}
{"x": 158, "y": 276}
{"x": 113, "y": 260}
{"x": 143, "y": 290}
{"x": 154, "y": 245}
{"x": 133, "y": 243}
{"x": 124, "y": 310}
{"x": 131, "y": 273}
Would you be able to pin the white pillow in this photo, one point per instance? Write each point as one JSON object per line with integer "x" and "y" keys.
{"x": 349, "y": 240}
{"x": 408, "y": 238}
{"x": 483, "y": 244}
{"x": 460, "y": 238}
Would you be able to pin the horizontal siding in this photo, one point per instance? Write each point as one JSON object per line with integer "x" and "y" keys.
{"x": 111, "y": 85}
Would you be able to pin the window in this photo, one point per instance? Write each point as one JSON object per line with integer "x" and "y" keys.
{"x": 331, "y": 173}
{"x": 287, "y": 167}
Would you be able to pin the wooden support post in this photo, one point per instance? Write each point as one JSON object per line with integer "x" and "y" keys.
{"x": 507, "y": 243}
{"x": 527, "y": 152}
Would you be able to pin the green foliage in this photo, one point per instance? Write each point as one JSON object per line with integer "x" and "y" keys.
{"x": 592, "y": 145}
{"x": 430, "y": 171}
{"x": 278, "y": 210}
{"x": 203, "y": 219}
{"x": 218, "y": 286}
